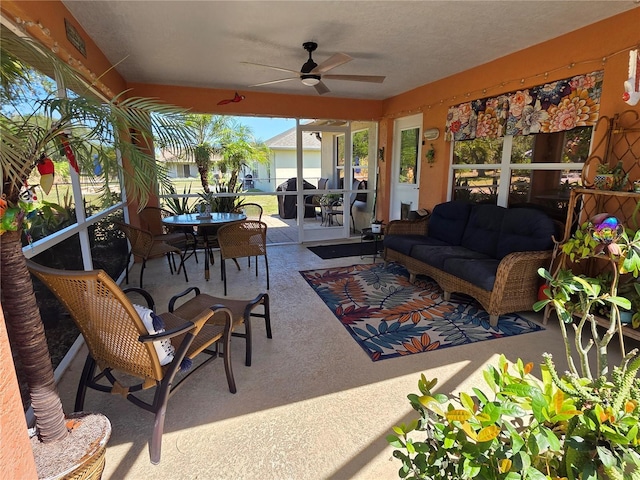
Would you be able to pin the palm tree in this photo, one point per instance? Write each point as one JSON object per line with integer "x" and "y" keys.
{"x": 238, "y": 148}
{"x": 206, "y": 129}
{"x": 90, "y": 129}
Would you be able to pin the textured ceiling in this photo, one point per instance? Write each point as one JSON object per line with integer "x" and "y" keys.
{"x": 203, "y": 43}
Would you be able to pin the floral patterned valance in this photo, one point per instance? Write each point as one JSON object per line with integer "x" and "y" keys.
{"x": 552, "y": 107}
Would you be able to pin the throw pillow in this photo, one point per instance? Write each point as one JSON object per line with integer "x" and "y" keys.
{"x": 153, "y": 324}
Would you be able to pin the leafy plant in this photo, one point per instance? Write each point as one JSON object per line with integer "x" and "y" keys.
{"x": 221, "y": 203}
{"x": 330, "y": 199}
{"x": 176, "y": 205}
{"x": 574, "y": 426}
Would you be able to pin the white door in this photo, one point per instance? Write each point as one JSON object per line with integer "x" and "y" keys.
{"x": 407, "y": 142}
{"x": 312, "y": 166}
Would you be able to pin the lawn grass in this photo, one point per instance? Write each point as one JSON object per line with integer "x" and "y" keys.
{"x": 61, "y": 194}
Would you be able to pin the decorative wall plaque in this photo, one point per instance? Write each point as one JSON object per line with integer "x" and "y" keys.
{"x": 74, "y": 37}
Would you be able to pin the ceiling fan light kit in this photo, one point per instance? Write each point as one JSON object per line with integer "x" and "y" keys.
{"x": 310, "y": 80}
{"x": 311, "y": 73}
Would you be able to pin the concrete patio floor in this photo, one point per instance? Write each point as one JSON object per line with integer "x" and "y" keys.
{"x": 312, "y": 405}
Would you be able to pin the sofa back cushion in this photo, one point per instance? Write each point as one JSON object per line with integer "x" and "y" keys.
{"x": 483, "y": 229}
{"x": 524, "y": 230}
{"x": 448, "y": 221}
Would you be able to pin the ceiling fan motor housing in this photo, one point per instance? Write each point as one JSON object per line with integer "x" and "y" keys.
{"x": 309, "y": 80}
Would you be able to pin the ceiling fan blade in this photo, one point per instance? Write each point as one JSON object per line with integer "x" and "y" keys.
{"x": 356, "y": 78}
{"x": 321, "y": 88}
{"x": 333, "y": 61}
{"x": 274, "y": 81}
{"x": 272, "y": 67}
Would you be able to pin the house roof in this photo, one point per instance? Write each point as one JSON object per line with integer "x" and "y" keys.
{"x": 287, "y": 141}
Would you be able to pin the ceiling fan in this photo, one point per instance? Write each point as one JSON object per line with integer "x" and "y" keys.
{"x": 311, "y": 74}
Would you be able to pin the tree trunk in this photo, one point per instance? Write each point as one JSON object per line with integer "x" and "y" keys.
{"x": 27, "y": 333}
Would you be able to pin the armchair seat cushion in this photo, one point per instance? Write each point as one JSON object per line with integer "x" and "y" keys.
{"x": 479, "y": 272}
{"x": 406, "y": 243}
{"x": 483, "y": 229}
{"x": 524, "y": 230}
{"x": 436, "y": 256}
{"x": 448, "y": 222}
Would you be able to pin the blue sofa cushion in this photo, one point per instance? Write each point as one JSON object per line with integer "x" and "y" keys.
{"x": 437, "y": 255}
{"x": 483, "y": 229}
{"x": 448, "y": 221}
{"x": 524, "y": 230}
{"x": 405, "y": 243}
{"x": 481, "y": 273}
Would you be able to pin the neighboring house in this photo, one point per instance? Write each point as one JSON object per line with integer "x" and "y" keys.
{"x": 283, "y": 161}
{"x": 264, "y": 177}
{"x": 178, "y": 167}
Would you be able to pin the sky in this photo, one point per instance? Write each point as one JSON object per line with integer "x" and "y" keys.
{"x": 265, "y": 128}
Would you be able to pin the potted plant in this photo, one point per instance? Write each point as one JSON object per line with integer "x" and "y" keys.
{"x": 330, "y": 199}
{"x": 431, "y": 155}
{"x": 376, "y": 226}
{"x": 611, "y": 178}
{"x": 88, "y": 130}
{"x": 580, "y": 425}
{"x": 631, "y": 291}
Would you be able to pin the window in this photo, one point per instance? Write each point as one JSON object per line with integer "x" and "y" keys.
{"x": 533, "y": 169}
{"x": 360, "y": 155}
{"x": 409, "y": 148}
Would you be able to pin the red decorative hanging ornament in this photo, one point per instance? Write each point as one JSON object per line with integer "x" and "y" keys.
{"x": 237, "y": 98}
{"x": 46, "y": 169}
{"x": 64, "y": 140}
{"x": 3, "y": 205}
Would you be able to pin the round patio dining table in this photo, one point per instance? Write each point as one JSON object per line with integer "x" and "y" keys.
{"x": 215, "y": 219}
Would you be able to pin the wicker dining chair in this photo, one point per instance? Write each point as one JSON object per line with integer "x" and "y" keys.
{"x": 181, "y": 237}
{"x": 243, "y": 239}
{"x": 143, "y": 245}
{"x": 253, "y": 211}
{"x": 126, "y": 355}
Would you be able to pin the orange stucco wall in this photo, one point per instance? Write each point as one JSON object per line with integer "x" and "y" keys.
{"x": 15, "y": 449}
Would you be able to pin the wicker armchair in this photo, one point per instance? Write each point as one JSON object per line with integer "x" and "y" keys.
{"x": 143, "y": 245}
{"x": 121, "y": 347}
{"x": 243, "y": 239}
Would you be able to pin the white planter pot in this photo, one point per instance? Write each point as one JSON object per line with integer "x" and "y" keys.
{"x": 376, "y": 227}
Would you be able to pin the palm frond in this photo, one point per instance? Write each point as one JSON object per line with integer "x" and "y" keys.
{"x": 92, "y": 128}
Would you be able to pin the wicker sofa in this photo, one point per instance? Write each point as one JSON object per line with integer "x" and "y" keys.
{"x": 488, "y": 252}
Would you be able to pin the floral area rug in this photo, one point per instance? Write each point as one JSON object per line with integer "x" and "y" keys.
{"x": 390, "y": 317}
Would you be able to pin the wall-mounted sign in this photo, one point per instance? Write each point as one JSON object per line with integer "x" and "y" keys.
{"x": 74, "y": 37}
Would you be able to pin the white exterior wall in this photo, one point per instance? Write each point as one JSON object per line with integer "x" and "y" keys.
{"x": 283, "y": 167}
